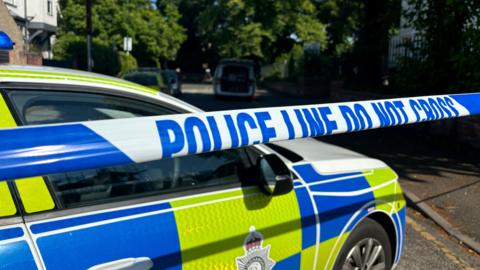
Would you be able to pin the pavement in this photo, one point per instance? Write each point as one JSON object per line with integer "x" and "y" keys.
{"x": 428, "y": 247}
{"x": 441, "y": 175}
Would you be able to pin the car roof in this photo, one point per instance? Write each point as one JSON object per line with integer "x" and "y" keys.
{"x": 236, "y": 61}
{"x": 144, "y": 69}
{"x": 62, "y": 76}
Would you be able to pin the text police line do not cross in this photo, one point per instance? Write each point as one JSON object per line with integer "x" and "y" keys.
{"x": 40, "y": 150}
{"x": 241, "y": 128}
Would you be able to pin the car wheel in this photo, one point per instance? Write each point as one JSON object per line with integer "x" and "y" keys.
{"x": 367, "y": 248}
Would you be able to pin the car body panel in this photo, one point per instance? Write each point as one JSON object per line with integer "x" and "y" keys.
{"x": 342, "y": 200}
{"x": 196, "y": 231}
{"x": 209, "y": 229}
{"x": 327, "y": 158}
{"x": 16, "y": 251}
{"x": 304, "y": 229}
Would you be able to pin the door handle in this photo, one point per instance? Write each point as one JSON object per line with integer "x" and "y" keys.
{"x": 140, "y": 263}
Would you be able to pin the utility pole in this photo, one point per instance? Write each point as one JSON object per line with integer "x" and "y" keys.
{"x": 26, "y": 35}
{"x": 89, "y": 34}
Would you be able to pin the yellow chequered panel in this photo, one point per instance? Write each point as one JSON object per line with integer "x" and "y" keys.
{"x": 308, "y": 258}
{"x": 328, "y": 251}
{"x": 33, "y": 191}
{"x": 387, "y": 194}
{"x": 212, "y": 229}
{"x": 400, "y": 202}
{"x": 6, "y": 119}
{"x": 7, "y": 205}
{"x": 34, "y": 194}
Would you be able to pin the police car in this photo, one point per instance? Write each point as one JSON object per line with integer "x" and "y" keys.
{"x": 299, "y": 204}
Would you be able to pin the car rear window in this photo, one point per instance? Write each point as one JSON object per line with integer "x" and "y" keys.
{"x": 49, "y": 107}
{"x": 235, "y": 73}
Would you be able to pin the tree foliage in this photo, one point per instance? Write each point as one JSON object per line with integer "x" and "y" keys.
{"x": 449, "y": 55}
{"x": 125, "y": 63}
{"x": 156, "y": 34}
{"x": 358, "y": 37}
{"x": 258, "y": 29}
{"x": 371, "y": 48}
{"x": 343, "y": 20}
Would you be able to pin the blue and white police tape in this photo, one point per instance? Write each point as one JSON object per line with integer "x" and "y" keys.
{"x": 40, "y": 150}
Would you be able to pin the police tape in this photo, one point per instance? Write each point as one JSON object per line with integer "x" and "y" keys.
{"x": 41, "y": 150}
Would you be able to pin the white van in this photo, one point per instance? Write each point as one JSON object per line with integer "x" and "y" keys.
{"x": 235, "y": 77}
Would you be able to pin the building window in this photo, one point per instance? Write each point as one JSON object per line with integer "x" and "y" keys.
{"x": 10, "y": 2}
{"x": 49, "y": 8}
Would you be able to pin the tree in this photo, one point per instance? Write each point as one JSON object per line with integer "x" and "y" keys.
{"x": 371, "y": 48}
{"x": 449, "y": 55}
{"x": 259, "y": 29}
{"x": 358, "y": 36}
{"x": 343, "y": 20}
{"x": 156, "y": 34}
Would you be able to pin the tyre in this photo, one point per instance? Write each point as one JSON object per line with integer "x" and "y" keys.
{"x": 367, "y": 248}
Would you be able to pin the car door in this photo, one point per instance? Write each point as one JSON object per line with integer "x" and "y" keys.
{"x": 201, "y": 211}
{"x": 17, "y": 251}
{"x": 16, "y": 248}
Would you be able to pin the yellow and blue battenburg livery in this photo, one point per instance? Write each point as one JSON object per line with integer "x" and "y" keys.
{"x": 304, "y": 229}
{"x": 234, "y": 227}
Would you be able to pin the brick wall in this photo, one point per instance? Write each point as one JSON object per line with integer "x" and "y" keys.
{"x": 34, "y": 59}
{"x": 8, "y": 25}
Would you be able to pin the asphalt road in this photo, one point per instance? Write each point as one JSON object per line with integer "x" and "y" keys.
{"x": 426, "y": 245}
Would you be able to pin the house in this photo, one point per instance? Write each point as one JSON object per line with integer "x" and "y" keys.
{"x": 37, "y": 21}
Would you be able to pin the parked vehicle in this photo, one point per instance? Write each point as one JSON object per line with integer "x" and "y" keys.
{"x": 149, "y": 77}
{"x": 173, "y": 82}
{"x": 235, "y": 78}
{"x": 299, "y": 204}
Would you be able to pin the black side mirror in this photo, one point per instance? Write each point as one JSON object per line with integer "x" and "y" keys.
{"x": 274, "y": 175}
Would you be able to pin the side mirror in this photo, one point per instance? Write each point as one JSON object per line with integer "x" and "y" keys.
{"x": 274, "y": 175}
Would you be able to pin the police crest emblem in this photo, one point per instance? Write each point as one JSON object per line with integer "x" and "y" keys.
{"x": 256, "y": 256}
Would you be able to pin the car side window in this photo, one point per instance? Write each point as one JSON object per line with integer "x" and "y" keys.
{"x": 116, "y": 183}
{"x": 50, "y": 107}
